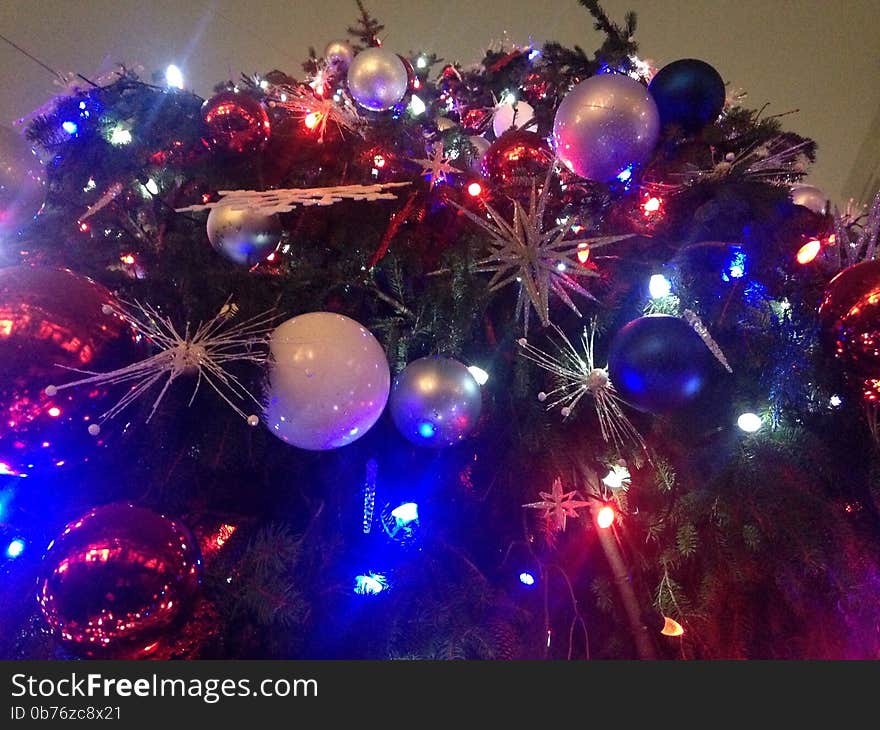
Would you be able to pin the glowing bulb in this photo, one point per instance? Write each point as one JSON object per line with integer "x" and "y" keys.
{"x": 749, "y": 422}
{"x": 15, "y": 548}
{"x": 379, "y": 161}
{"x": 174, "y": 77}
{"x": 152, "y": 187}
{"x": 127, "y": 259}
{"x": 311, "y": 120}
{"x": 426, "y": 430}
{"x": 651, "y": 206}
{"x": 480, "y": 375}
{"x": 370, "y": 585}
{"x": 422, "y": 62}
{"x": 527, "y": 579}
{"x": 264, "y": 84}
{"x": 605, "y": 517}
{"x": 659, "y": 286}
{"x": 406, "y": 513}
{"x": 120, "y": 135}
{"x": 808, "y": 251}
{"x": 474, "y": 189}
{"x": 835, "y": 401}
{"x": 671, "y": 627}
{"x": 417, "y": 106}
{"x": 70, "y": 127}
{"x": 54, "y": 411}
{"x": 583, "y": 252}
{"x": 625, "y": 174}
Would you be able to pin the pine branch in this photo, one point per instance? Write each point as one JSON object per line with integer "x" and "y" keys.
{"x": 366, "y": 29}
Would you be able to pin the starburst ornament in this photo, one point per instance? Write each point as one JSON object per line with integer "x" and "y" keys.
{"x": 316, "y": 112}
{"x": 558, "y": 504}
{"x": 438, "y": 168}
{"x": 541, "y": 260}
{"x": 577, "y": 375}
{"x": 205, "y": 353}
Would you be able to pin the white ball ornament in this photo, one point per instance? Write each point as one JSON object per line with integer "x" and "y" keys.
{"x": 328, "y": 381}
{"x": 511, "y": 115}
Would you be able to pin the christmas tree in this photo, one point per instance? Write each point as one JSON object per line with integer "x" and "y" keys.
{"x": 535, "y": 358}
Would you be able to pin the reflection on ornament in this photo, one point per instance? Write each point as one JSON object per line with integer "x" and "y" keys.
{"x": 117, "y": 580}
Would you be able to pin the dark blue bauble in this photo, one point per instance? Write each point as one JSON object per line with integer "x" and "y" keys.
{"x": 659, "y": 363}
{"x": 689, "y": 93}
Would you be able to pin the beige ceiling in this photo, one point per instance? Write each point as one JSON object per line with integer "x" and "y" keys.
{"x": 818, "y": 56}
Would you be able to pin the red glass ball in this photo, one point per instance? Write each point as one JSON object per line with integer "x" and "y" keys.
{"x": 850, "y": 319}
{"x": 52, "y": 321}
{"x": 235, "y": 123}
{"x": 118, "y": 580}
{"x": 517, "y": 157}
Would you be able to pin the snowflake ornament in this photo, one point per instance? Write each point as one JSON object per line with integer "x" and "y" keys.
{"x": 558, "y": 504}
{"x": 438, "y": 168}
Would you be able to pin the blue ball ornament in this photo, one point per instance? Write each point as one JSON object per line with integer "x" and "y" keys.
{"x": 659, "y": 364}
{"x": 689, "y": 93}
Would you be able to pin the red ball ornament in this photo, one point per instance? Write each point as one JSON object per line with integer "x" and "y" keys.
{"x": 235, "y": 123}
{"x": 52, "y": 319}
{"x": 517, "y": 158}
{"x": 850, "y": 319}
{"x": 412, "y": 79}
{"x": 118, "y": 581}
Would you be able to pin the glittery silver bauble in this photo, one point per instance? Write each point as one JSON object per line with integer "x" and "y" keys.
{"x": 22, "y": 182}
{"x": 243, "y": 236}
{"x": 377, "y": 79}
{"x": 810, "y": 197}
{"x": 435, "y": 402}
{"x": 339, "y": 55}
{"x": 604, "y": 125}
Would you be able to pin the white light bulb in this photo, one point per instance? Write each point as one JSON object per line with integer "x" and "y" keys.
{"x": 422, "y": 62}
{"x": 749, "y": 422}
{"x": 480, "y": 375}
{"x": 174, "y": 77}
{"x": 416, "y": 106}
{"x": 659, "y": 286}
{"x": 152, "y": 187}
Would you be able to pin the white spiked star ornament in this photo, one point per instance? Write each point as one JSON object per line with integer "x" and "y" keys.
{"x": 541, "y": 260}
{"x": 576, "y": 376}
{"x": 438, "y": 168}
{"x": 559, "y": 505}
{"x": 204, "y": 352}
{"x": 315, "y": 111}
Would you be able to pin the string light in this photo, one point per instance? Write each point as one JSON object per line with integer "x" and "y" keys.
{"x": 809, "y": 251}
{"x": 174, "y": 77}
{"x": 422, "y": 62}
{"x": 416, "y": 106}
{"x": 659, "y": 286}
{"x": 15, "y": 548}
{"x": 835, "y": 401}
{"x": 475, "y": 189}
{"x": 480, "y": 375}
{"x": 605, "y": 517}
{"x": 526, "y": 578}
{"x": 749, "y": 422}
{"x": 370, "y": 584}
{"x": 651, "y": 206}
{"x": 152, "y": 187}
{"x": 70, "y": 127}
{"x": 312, "y": 120}
{"x": 119, "y": 135}
{"x": 671, "y": 627}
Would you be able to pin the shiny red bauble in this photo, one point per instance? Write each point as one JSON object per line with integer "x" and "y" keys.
{"x": 235, "y": 123}
{"x": 517, "y": 158}
{"x": 118, "y": 581}
{"x": 53, "y": 323}
{"x": 850, "y": 319}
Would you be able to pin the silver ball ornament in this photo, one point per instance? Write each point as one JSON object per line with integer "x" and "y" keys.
{"x": 377, "y": 79}
{"x": 22, "y": 182}
{"x": 435, "y": 401}
{"x": 604, "y": 125}
{"x": 809, "y": 196}
{"x": 244, "y": 236}
{"x": 339, "y": 55}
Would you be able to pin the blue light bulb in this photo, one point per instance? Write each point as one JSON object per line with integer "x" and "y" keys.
{"x": 426, "y": 430}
